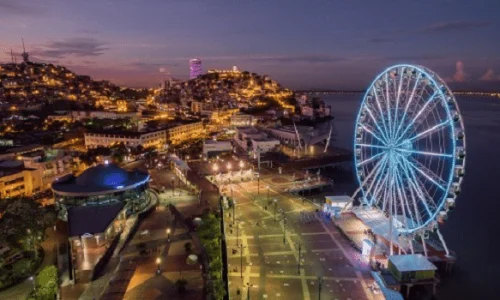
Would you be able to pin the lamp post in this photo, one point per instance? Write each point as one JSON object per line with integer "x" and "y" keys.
{"x": 173, "y": 186}
{"x": 34, "y": 284}
{"x": 234, "y": 204}
{"x": 268, "y": 188}
{"x": 320, "y": 281}
{"x": 249, "y": 285}
{"x": 237, "y": 233}
{"x": 241, "y": 260}
{"x": 215, "y": 168}
{"x": 284, "y": 231}
{"x": 168, "y": 234}
{"x": 298, "y": 264}
{"x": 158, "y": 261}
{"x": 258, "y": 183}
{"x": 275, "y": 206}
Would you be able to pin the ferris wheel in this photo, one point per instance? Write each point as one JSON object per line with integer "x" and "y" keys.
{"x": 409, "y": 148}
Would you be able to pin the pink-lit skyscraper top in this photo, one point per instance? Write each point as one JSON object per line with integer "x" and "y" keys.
{"x": 195, "y": 68}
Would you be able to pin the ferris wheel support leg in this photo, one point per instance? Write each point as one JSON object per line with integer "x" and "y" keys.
{"x": 423, "y": 244}
{"x": 411, "y": 247}
{"x": 441, "y": 238}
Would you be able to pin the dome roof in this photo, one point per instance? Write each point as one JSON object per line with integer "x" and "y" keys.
{"x": 100, "y": 179}
{"x": 103, "y": 176}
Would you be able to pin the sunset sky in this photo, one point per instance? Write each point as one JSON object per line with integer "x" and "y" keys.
{"x": 302, "y": 44}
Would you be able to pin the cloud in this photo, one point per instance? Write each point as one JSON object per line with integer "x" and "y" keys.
{"x": 381, "y": 40}
{"x": 455, "y": 26}
{"x": 460, "y": 74}
{"x": 489, "y": 76}
{"x": 16, "y": 7}
{"x": 80, "y": 47}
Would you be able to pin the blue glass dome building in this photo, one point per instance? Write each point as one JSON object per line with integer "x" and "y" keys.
{"x": 102, "y": 185}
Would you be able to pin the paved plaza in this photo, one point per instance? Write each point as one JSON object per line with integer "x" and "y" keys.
{"x": 270, "y": 248}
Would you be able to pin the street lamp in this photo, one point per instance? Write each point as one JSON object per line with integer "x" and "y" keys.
{"x": 215, "y": 168}
{"x": 34, "y": 284}
{"x": 249, "y": 285}
{"x": 237, "y": 232}
{"x": 234, "y": 204}
{"x": 268, "y": 187}
{"x": 173, "y": 186}
{"x": 298, "y": 264}
{"x": 275, "y": 206}
{"x": 241, "y": 260}
{"x": 168, "y": 234}
{"x": 258, "y": 183}
{"x": 158, "y": 261}
{"x": 320, "y": 281}
{"x": 284, "y": 231}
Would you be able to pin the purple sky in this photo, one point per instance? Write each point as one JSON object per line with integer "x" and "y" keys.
{"x": 303, "y": 44}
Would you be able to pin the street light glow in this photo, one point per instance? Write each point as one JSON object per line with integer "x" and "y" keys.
{"x": 158, "y": 260}
{"x": 215, "y": 167}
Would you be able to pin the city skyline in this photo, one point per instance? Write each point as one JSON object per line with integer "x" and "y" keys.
{"x": 327, "y": 46}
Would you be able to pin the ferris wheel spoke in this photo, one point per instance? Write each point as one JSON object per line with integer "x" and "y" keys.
{"x": 431, "y": 177}
{"x": 431, "y": 130}
{"x": 378, "y": 187}
{"x": 409, "y": 101}
{"x": 371, "y": 146}
{"x": 381, "y": 112}
{"x": 376, "y": 124}
{"x": 413, "y": 184}
{"x": 371, "y": 159}
{"x": 424, "y": 152}
{"x": 404, "y": 200}
{"x": 388, "y": 104}
{"x": 373, "y": 134}
{"x": 377, "y": 172}
{"x": 400, "y": 136}
{"x": 398, "y": 96}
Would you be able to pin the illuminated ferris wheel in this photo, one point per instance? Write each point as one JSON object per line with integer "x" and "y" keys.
{"x": 409, "y": 148}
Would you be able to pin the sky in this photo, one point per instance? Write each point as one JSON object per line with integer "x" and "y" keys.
{"x": 311, "y": 44}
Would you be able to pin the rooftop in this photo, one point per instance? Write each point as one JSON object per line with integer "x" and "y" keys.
{"x": 100, "y": 179}
{"x": 91, "y": 219}
{"x": 411, "y": 262}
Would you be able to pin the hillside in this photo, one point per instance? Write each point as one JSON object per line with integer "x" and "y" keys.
{"x": 27, "y": 84}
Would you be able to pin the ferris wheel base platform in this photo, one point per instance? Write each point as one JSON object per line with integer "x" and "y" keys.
{"x": 359, "y": 224}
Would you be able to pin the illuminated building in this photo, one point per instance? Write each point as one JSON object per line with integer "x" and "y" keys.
{"x": 16, "y": 180}
{"x": 196, "y": 107}
{"x": 183, "y": 132}
{"x": 195, "y": 68}
{"x": 96, "y": 206}
{"x": 240, "y": 119}
{"x": 156, "y": 138}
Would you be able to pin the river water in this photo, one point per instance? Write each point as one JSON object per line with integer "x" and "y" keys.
{"x": 471, "y": 228}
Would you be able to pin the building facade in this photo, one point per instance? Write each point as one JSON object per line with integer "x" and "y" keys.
{"x": 183, "y": 132}
{"x": 16, "y": 180}
{"x": 195, "y": 68}
{"x": 131, "y": 139}
{"x": 240, "y": 119}
{"x": 52, "y": 164}
{"x": 81, "y": 115}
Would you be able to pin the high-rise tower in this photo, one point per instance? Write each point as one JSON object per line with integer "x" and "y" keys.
{"x": 195, "y": 69}
{"x": 25, "y": 54}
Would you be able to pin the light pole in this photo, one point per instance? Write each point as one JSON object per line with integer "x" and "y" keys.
{"x": 241, "y": 164}
{"x": 168, "y": 234}
{"x": 249, "y": 285}
{"x": 241, "y": 260}
{"x": 275, "y": 206}
{"x": 34, "y": 284}
{"x": 158, "y": 261}
{"x": 268, "y": 188}
{"x": 234, "y": 204}
{"x": 237, "y": 233}
{"x": 173, "y": 186}
{"x": 258, "y": 183}
{"x": 298, "y": 264}
{"x": 320, "y": 281}
{"x": 215, "y": 168}
{"x": 284, "y": 231}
